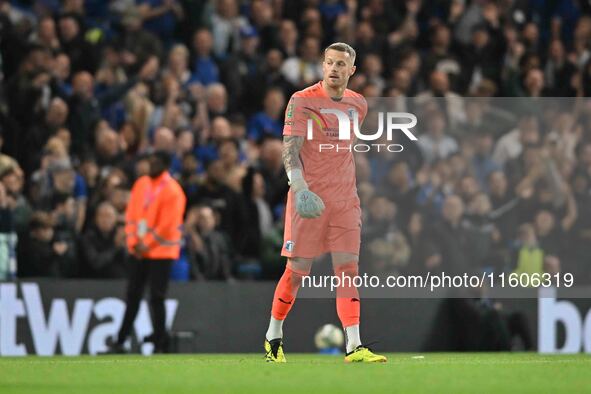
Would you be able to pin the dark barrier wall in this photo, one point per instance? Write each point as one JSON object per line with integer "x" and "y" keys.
{"x": 73, "y": 317}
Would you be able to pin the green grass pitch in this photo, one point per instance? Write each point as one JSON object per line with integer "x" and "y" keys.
{"x": 304, "y": 373}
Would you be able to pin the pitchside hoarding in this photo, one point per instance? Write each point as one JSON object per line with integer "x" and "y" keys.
{"x": 77, "y": 317}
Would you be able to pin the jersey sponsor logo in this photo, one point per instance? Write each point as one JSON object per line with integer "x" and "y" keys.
{"x": 337, "y": 126}
{"x": 348, "y": 122}
{"x": 315, "y": 115}
{"x": 345, "y": 119}
{"x": 289, "y": 246}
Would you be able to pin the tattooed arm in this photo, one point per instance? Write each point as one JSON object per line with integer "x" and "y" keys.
{"x": 291, "y": 153}
{"x": 292, "y": 163}
{"x": 307, "y": 203}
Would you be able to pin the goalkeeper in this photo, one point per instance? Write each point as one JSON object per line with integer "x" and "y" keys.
{"x": 323, "y": 214}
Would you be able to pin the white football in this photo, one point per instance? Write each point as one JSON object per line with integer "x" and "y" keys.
{"x": 329, "y": 336}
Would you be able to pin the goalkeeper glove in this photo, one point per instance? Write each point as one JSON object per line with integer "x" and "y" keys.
{"x": 308, "y": 204}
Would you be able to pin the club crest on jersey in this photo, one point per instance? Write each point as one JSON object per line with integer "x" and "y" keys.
{"x": 289, "y": 246}
{"x": 351, "y": 112}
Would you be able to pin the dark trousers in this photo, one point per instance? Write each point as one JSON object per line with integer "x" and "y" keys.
{"x": 157, "y": 273}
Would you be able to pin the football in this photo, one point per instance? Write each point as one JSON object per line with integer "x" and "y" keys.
{"x": 329, "y": 336}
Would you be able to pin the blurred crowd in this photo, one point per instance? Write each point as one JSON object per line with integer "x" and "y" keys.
{"x": 88, "y": 87}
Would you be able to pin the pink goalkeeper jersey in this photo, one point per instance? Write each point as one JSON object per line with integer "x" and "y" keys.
{"x": 328, "y": 165}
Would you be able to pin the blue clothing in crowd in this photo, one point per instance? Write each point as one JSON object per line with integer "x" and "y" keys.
{"x": 262, "y": 125}
{"x": 205, "y": 71}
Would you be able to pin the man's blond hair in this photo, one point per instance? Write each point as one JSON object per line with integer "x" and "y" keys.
{"x": 342, "y": 47}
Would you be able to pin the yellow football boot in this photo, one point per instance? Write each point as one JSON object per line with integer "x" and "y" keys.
{"x": 274, "y": 351}
{"x": 363, "y": 354}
